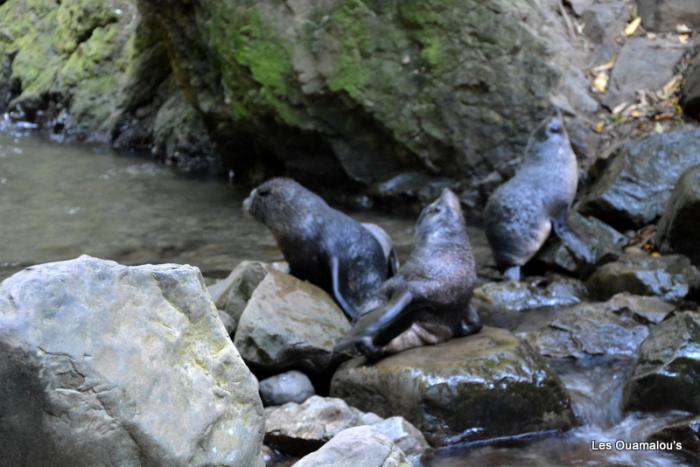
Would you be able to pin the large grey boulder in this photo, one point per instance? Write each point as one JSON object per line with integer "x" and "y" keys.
{"x": 290, "y": 323}
{"x": 637, "y": 182}
{"x": 362, "y": 445}
{"x": 679, "y": 227}
{"x": 670, "y": 277}
{"x": 482, "y": 386}
{"x": 667, "y": 375}
{"x": 104, "y": 364}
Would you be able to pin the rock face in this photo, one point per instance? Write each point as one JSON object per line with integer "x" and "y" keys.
{"x": 679, "y": 227}
{"x": 111, "y": 365}
{"x": 487, "y": 385}
{"x": 670, "y": 277}
{"x": 526, "y": 295}
{"x": 363, "y": 445}
{"x": 665, "y": 15}
{"x": 290, "y": 323}
{"x": 690, "y": 93}
{"x": 687, "y": 433}
{"x": 637, "y": 182}
{"x": 292, "y": 386}
{"x": 667, "y": 375}
{"x": 592, "y": 329}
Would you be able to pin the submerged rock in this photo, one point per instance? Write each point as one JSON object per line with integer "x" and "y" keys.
{"x": 669, "y": 277}
{"x": 360, "y": 446}
{"x": 636, "y": 183}
{"x": 292, "y": 386}
{"x": 482, "y": 386}
{"x": 303, "y": 428}
{"x": 605, "y": 243}
{"x": 104, "y": 364}
{"x": 687, "y": 433}
{"x": 290, "y": 323}
{"x": 526, "y": 295}
{"x": 591, "y": 329}
{"x": 667, "y": 375}
{"x": 679, "y": 227}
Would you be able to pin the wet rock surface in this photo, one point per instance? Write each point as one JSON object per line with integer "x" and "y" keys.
{"x": 687, "y": 433}
{"x": 290, "y": 323}
{"x": 670, "y": 277}
{"x": 667, "y": 375}
{"x": 591, "y": 329}
{"x": 679, "y": 226}
{"x": 291, "y": 386}
{"x": 529, "y": 294}
{"x": 362, "y": 445}
{"x": 638, "y": 180}
{"x": 487, "y": 385}
{"x": 94, "y": 351}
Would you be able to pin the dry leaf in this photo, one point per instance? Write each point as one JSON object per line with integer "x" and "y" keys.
{"x": 655, "y": 254}
{"x": 600, "y": 83}
{"x": 683, "y": 38}
{"x": 683, "y": 29}
{"x": 632, "y": 27}
{"x": 635, "y": 114}
{"x": 605, "y": 66}
{"x": 599, "y": 127}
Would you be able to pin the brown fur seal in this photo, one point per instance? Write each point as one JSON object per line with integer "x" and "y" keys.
{"x": 520, "y": 214}
{"x": 428, "y": 301}
{"x": 322, "y": 245}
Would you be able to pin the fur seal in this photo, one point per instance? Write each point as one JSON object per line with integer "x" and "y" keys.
{"x": 428, "y": 301}
{"x": 520, "y": 214}
{"x": 322, "y": 245}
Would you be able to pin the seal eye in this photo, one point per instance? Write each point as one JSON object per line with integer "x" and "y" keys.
{"x": 264, "y": 191}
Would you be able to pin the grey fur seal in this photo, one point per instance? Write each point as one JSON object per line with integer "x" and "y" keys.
{"x": 428, "y": 301}
{"x": 323, "y": 245}
{"x": 520, "y": 214}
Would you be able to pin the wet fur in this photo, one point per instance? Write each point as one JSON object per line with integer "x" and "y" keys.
{"x": 312, "y": 235}
{"x": 521, "y": 213}
{"x": 428, "y": 301}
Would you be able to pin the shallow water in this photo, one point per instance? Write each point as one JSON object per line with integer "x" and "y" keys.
{"x": 59, "y": 201}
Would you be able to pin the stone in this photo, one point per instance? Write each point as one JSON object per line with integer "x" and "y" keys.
{"x": 687, "y": 433}
{"x": 292, "y": 386}
{"x": 665, "y": 15}
{"x": 605, "y": 242}
{"x": 483, "y": 386}
{"x": 690, "y": 92}
{"x": 529, "y": 294}
{"x": 290, "y": 323}
{"x": 104, "y": 364}
{"x": 363, "y": 445}
{"x": 644, "y": 309}
{"x": 404, "y": 435}
{"x": 642, "y": 65}
{"x": 667, "y": 374}
{"x": 670, "y": 277}
{"x": 231, "y": 294}
{"x": 591, "y": 329}
{"x": 637, "y": 181}
{"x": 679, "y": 226}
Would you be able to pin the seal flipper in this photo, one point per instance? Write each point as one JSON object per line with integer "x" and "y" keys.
{"x": 371, "y": 325}
{"x": 348, "y": 309}
{"x": 471, "y": 322}
{"x": 570, "y": 238}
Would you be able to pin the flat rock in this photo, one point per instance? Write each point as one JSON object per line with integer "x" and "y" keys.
{"x": 670, "y": 277}
{"x": 687, "y": 433}
{"x": 231, "y": 295}
{"x": 482, "y": 386}
{"x": 291, "y": 386}
{"x": 290, "y": 323}
{"x": 642, "y": 65}
{"x": 529, "y": 294}
{"x": 591, "y": 329}
{"x": 637, "y": 182}
{"x": 360, "y": 446}
{"x": 667, "y": 375}
{"x": 665, "y": 15}
{"x": 679, "y": 226}
{"x": 111, "y": 365}
{"x": 303, "y": 428}
{"x": 645, "y": 309}
{"x": 605, "y": 243}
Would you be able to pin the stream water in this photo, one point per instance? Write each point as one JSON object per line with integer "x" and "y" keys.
{"x": 58, "y": 201}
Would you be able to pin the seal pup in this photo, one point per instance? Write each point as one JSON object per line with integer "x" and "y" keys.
{"x": 520, "y": 214}
{"x": 428, "y": 301}
{"x": 323, "y": 245}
